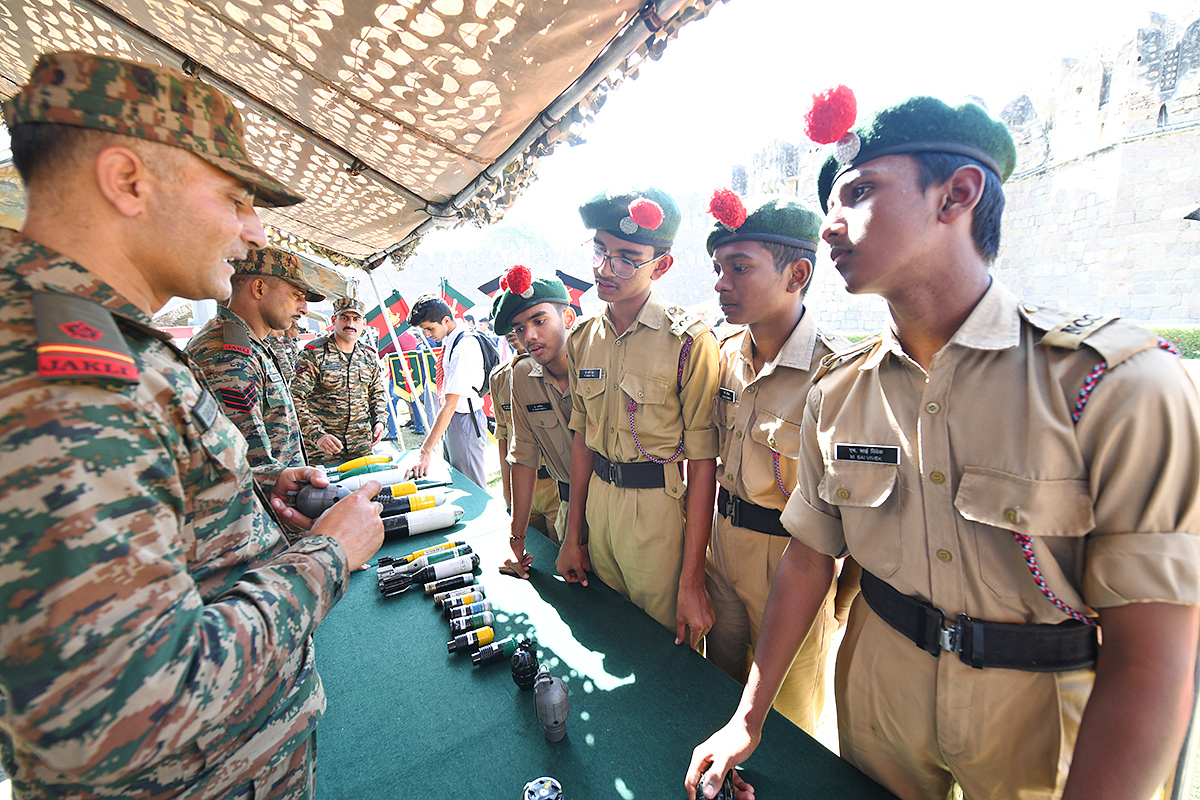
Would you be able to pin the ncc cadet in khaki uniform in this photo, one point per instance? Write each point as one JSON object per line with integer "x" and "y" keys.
{"x": 643, "y": 377}
{"x": 544, "y": 509}
{"x": 339, "y": 391}
{"x": 285, "y": 345}
{"x": 269, "y": 290}
{"x": 156, "y": 641}
{"x": 764, "y": 262}
{"x": 944, "y": 457}
{"x": 538, "y": 313}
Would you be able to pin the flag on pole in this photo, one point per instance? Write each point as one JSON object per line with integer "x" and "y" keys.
{"x": 491, "y": 287}
{"x": 397, "y": 311}
{"x": 458, "y": 302}
{"x": 575, "y": 288}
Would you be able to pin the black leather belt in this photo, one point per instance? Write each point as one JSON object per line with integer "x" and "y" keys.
{"x": 744, "y": 514}
{"x": 632, "y": 475}
{"x": 564, "y": 491}
{"x": 1032, "y": 648}
{"x": 543, "y": 473}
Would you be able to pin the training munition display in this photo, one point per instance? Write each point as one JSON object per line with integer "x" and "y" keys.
{"x": 364, "y": 461}
{"x": 524, "y": 664}
{"x": 417, "y": 522}
{"x": 428, "y": 559}
{"x": 441, "y": 598}
{"x": 475, "y": 621}
{"x": 450, "y": 583}
{"x": 470, "y": 640}
{"x": 478, "y": 607}
{"x": 551, "y": 704}
{"x": 426, "y": 551}
{"x": 496, "y": 651}
{"x": 393, "y": 582}
{"x": 413, "y": 502}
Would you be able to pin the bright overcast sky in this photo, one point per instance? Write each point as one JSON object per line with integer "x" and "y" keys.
{"x": 731, "y": 83}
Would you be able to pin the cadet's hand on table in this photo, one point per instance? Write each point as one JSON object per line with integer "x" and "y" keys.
{"x": 573, "y": 563}
{"x": 718, "y": 754}
{"x": 518, "y": 566}
{"x": 421, "y": 468}
{"x": 693, "y": 612}
{"x": 377, "y": 434}
{"x": 354, "y": 521}
{"x": 329, "y": 444}
{"x": 289, "y": 481}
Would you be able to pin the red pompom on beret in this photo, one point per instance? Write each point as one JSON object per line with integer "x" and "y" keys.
{"x": 831, "y": 115}
{"x": 646, "y": 213}
{"x": 727, "y": 207}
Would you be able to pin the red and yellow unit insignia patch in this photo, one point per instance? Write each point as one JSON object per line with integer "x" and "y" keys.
{"x": 66, "y": 327}
{"x": 80, "y": 330}
{"x": 237, "y": 348}
{"x": 73, "y": 361}
{"x": 236, "y": 400}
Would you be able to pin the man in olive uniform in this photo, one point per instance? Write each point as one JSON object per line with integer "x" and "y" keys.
{"x": 764, "y": 261}
{"x": 544, "y": 508}
{"x": 540, "y": 392}
{"x": 285, "y": 344}
{"x": 643, "y": 377}
{"x": 157, "y": 635}
{"x": 339, "y": 391}
{"x": 1000, "y": 515}
{"x": 270, "y": 291}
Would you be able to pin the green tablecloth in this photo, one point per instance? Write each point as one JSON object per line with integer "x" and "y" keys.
{"x": 406, "y": 719}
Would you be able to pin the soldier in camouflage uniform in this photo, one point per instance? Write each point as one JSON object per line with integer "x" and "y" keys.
{"x": 156, "y": 640}
{"x": 285, "y": 345}
{"x": 339, "y": 391}
{"x": 270, "y": 290}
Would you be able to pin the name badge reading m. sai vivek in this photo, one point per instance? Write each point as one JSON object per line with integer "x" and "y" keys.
{"x": 726, "y": 394}
{"x": 591, "y": 374}
{"x": 869, "y": 453}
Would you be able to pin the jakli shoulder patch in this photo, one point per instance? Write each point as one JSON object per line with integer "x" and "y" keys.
{"x": 235, "y": 337}
{"x": 79, "y": 339}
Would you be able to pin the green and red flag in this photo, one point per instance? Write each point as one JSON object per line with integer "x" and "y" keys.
{"x": 397, "y": 311}
{"x": 575, "y": 288}
{"x": 491, "y": 287}
{"x": 458, "y": 302}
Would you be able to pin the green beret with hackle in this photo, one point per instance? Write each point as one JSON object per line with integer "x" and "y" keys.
{"x": 646, "y": 216}
{"x": 522, "y": 291}
{"x": 778, "y": 220}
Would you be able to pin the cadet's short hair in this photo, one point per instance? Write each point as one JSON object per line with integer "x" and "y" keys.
{"x": 784, "y": 254}
{"x": 985, "y": 227}
{"x": 428, "y": 308}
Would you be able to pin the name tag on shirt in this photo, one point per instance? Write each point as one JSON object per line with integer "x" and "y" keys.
{"x": 870, "y": 453}
{"x": 539, "y": 407}
{"x": 591, "y": 374}
{"x": 727, "y": 394}
{"x": 506, "y": 406}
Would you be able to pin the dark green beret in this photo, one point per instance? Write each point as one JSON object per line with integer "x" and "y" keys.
{"x": 922, "y": 125}
{"x": 509, "y": 304}
{"x": 778, "y": 221}
{"x": 646, "y": 216}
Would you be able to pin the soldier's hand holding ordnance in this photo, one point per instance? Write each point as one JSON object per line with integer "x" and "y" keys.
{"x": 355, "y": 522}
{"x": 290, "y": 480}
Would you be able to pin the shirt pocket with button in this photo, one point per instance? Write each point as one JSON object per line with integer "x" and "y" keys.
{"x": 591, "y": 391}
{"x": 659, "y": 426}
{"x": 772, "y": 433}
{"x": 1054, "y": 510}
{"x": 865, "y": 496}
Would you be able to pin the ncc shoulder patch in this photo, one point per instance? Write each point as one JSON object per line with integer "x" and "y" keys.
{"x": 235, "y": 337}
{"x": 1064, "y": 329}
{"x": 79, "y": 339}
{"x": 684, "y": 323}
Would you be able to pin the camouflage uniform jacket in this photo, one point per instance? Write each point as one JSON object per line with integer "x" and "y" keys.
{"x": 155, "y": 640}
{"x": 287, "y": 352}
{"x": 245, "y": 376}
{"x": 341, "y": 394}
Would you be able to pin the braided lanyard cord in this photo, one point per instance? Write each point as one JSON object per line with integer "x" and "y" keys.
{"x": 632, "y": 407}
{"x": 778, "y": 477}
{"x": 1026, "y": 542}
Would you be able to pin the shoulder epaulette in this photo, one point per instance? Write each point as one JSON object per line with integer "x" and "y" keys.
{"x": 835, "y": 360}
{"x": 684, "y": 323}
{"x": 79, "y": 339}
{"x": 835, "y": 342}
{"x": 725, "y": 337}
{"x": 1111, "y": 337}
{"x": 317, "y": 343}
{"x": 235, "y": 337}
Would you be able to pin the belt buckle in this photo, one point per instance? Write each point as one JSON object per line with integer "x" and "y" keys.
{"x": 729, "y": 507}
{"x": 613, "y": 476}
{"x": 950, "y": 638}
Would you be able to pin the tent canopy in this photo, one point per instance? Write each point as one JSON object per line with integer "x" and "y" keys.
{"x": 389, "y": 116}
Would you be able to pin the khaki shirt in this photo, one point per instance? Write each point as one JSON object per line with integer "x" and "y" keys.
{"x": 541, "y": 418}
{"x": 500, "y": 382}
{"x": 158, "y": 631}
{"x": 758, "y": 416}
{"x": 244, "y": 374}
{"x": 642, "y": 364}
{"x": 985, "y": 445}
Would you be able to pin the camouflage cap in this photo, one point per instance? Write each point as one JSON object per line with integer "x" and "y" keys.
{"x": 646, "y": 216}
{"x": 280, "y": 264}
{"x": 347, "y": 304}
{"x": 149, "y": 102}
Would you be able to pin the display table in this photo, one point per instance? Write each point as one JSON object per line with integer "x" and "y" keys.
{"x": 406, "y": 719}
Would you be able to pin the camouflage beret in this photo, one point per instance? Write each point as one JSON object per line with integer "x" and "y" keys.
{"x": 149, "y": 102}
{"x": 646, "y": 216}
{"x": 523, "y": 292}
{"x": 922, "y": 125}
{"x": 347, "y": 304}
{"x": 280, "y": 264}
{"x": 777, "y": 221}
